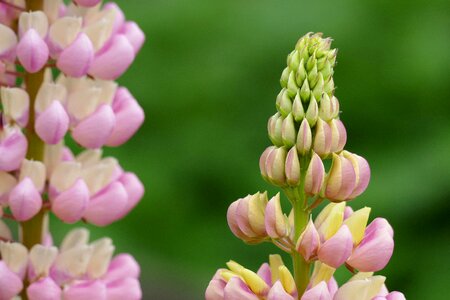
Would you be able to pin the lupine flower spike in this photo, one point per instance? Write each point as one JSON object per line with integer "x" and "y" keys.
{"x": 58, "y": 63}
{"x": 306, "y": 131}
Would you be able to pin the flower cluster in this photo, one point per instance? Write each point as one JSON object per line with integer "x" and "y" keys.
{"x": 58, "y": 63}
{"x": 77, "y": 270}
{"x": 305, "y": 132}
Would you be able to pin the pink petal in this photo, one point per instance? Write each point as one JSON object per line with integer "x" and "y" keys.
{"x": 24, "y": 200}
{"x": 119, "y": 17}
{"x": 52, "y": 124}
{"x": 374, "y": 251}
{"x": 129, "y": 117}
{"x": 135, "y": 190}
{"x": 336, "y": 250}
{"x": 70, "y": 205}
{"x": 114, "y": 61}
{"x": 76, "y": 59}
{"x": 341, "y": 179}
{"x": 85, "y": 290}
{"x": 134, "y": 34}
{"x": 122, "y": 266}
{"x": 232, "y": 221}
{"x": 395, "y": 296}
{"x": 277, "y": 292}
{"x": 94, "y": 131}
{"x": 314, "y": 175}
{"x": 32, "y": 51}
{"x": 87, "y": 3}
{"x": 107, "y": 206}
{"x": 237, "y": 289}
{"x": 292, "y": 167}
{"x": 128, "y": 288}
{"x": 215, "y": 290}
{"x": 10, "y": 283}
{"x": 318, "y": 292}
{"x": 265, "y": 273}
{"x": 309, "y": 242}
{"x": 44, "y": 289}
{"x": 13, "y": 149}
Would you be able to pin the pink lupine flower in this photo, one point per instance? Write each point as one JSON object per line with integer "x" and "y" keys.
{"x": 338, "y": 135}
{"x": 52, "y": 124}
{"x": 314, "y": 175}
{"x": 318, "y": 292}
{"x": 134, "y": 34}
{"x": 277, "y": 292}
{"x": 341, "y": 179}
{"x": 309, "y": 242}
{"x": 336, "y": 250}
{"x": 16, "y": 103}
{"x": 322, "y": 141}
{"x": 44, "y": 288}
{"x": 76, "y": 59}
{"x": 391, "y": 296}
{"x": 25, "y": 200}
{"x": 87, "y": 3}
{"x": 129, "y": 117}
{"x": 276, "y": 222}
{"x": 10, "y": 283}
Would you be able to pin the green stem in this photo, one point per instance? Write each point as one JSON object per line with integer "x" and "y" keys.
{"x": 32, "y": 230}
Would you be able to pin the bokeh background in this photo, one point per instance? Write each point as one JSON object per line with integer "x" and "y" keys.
{"x": 207, "y": 79}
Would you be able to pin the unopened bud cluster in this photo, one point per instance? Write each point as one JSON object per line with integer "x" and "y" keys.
{"x": 58, "y": 63}
{"x": 305, "y": 132}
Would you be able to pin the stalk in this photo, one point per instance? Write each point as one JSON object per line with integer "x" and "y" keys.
{"x": 32, "y": 230}
{"x": 301, "y": 218}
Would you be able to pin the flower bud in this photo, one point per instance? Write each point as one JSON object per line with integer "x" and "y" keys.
{"x": 94, "y": 131}
{"x": 326, "y": 109}
{"x": 35, "y": 170}
{"x": 13, "y": 148}
{"x": 25, "y": 200}
{"x": 262, "y": 161}
{"x": 322, "y": 272}
{"x": 292, "y": 168}
{"x": 314, "y": 175}
{"x": 308, "y": 242}
{"x": 375, "y": 249}
{"x": 362, "y": 172}
{"x": 288, "y": 132}
{"x": 10, "y": 283}
{"x": 122, "y": 266}
{"x": 360, "y": 289}
{"x": 134, "y": 34}
{"x": 334, "y": 107}
{"x": 254, "y": 282}
{"x": 293, "y": 60}
{"x": 341, "y": 179}
{"x": 63, "y": 32}
{"x": 107, "y": 66}
{"x": 301, "y": 72}
{"x": 277, "y": 292}
{"x": 44, "y": 288}
{"x": 305, "y": 91}
{"x": 322, "y": 139}
{"x": 275, "y": 262}
{"x": 313, "y": 77}
{"x": 287, "y": 280}
{"x": 135, "y": 190}
{"x": 338, "y": 135}
{"x": 283, "y": 103}
{"x": 312, "y": 113}
{"x": 274, "y": 129}
{"x": 275, "y": 166}
{"x": 250, "y": 215}
{"x": 318, "y": 292}
{"x": 318, "y": 88}
{"x": 336, "y": 250}
{"x": 51, "y": 125}
{"x": 292, "y": 87}
{"x": 298, "y": 112}
{"x": 304, "y": 138}
{"x": 16, "y": 105}
{"x": 329, "y": 86}
{"x": 277, "y": 224}
{"x": 284, "y": 77}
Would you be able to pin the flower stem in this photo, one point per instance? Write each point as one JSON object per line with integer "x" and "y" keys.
{"x": 299, "y": 201}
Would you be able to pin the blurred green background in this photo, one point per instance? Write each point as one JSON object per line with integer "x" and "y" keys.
{"x": 207, "y": 79}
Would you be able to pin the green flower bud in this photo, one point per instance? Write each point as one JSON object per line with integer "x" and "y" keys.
{"x": 292, "y": 85}
{"x": 312, "y": 113}
{"x": 304, "y": 54}
{"x": 326, "y": 70}
{"x": 283, "y": 103}
{"x": 329, "y": 86}
{"x": 332, "y": 57}
{"x": 274, "y": 128}
{"x": 297, "y": 108}
{"x": 288, "y": 132}
{"x": 321, "y": 63}
{"x": 294, "y": 60}
{"x": 305, "y": 92}
{"x": 319, "y": 88}
{"x": 301, "y": 72}
{"x": 313, "y": 77}
{"x": 311, "y": 62}
{"x": 326, "y": 110}
{"x": 284, "y": 77}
